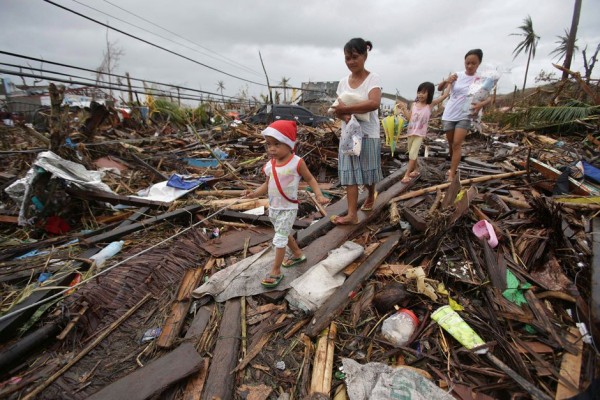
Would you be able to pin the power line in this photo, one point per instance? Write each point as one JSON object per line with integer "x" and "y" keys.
{"x": 224, "y": 59}
{"x": 108, "y": 74}
{"x": 152, "y": 44}
{"x": 120, "y": 88}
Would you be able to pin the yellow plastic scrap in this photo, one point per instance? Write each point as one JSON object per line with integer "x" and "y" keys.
{"x": 392, "y": 126}
{"x": 454, "y": 304}
{"x": 422, "y": 287}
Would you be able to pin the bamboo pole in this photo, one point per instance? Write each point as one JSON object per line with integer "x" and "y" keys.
{"x": 431, "y": 189}
{"x": 323, "y": 365}
{"x": 83, "y": 352}
{"x": 313, "y": 198}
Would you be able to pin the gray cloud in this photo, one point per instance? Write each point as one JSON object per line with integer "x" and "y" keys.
{"x": 414, "y": 41}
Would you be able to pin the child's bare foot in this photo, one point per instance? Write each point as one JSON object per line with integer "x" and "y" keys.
{"x": 345, "y": 220}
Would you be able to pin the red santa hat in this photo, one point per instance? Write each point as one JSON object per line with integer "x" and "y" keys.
{"x": 282, "y": 130}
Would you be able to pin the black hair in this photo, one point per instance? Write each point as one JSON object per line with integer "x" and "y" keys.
{"x": 359, "y": 45}
{"x": 475, "y": 52}
{"x": 430, "y": 87}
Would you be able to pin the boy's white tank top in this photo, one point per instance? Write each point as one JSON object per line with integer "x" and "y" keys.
{"x": 289, "y": 179}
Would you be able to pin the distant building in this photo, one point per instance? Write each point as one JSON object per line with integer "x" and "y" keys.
{"x": 318, "y": 96}
{"x": 27, "y": 99}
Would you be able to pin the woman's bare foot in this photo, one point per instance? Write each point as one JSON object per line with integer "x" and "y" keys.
{"x": 345, "y": 220}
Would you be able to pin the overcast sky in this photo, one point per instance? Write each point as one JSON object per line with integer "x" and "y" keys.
{"x": 414, "y": 41}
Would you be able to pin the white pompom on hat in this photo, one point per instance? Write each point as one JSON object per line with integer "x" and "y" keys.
{"x": 282, "y": 130}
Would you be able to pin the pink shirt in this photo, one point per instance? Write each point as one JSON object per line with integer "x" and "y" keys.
{"x": 419, "y": 120}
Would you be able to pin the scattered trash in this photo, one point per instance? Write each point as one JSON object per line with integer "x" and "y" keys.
{"x": 150, "y": 335}
{"x": 399, "y": 327}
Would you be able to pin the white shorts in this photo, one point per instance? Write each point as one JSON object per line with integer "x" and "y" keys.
{"x": 283, "y": 223}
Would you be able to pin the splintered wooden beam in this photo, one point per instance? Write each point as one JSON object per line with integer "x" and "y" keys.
{"x": 463, "y": 182}
{"x": 570, "y": 369}
{"x": 195, "y": 384}
{"x": 179, "y": 308}
{"x": 220, "y": 382}
{"x": 548, "y": 171}
{"x": 323, "y": 364}
{"x": 155, "y": 377}
{"x": 336, "y": 303}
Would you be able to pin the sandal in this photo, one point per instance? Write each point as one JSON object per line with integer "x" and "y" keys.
{"x": 271, "y": 281}
{"x": 369, "y": 207}
{"x": 293, "y": 261}
{"x": 334, "y": 220}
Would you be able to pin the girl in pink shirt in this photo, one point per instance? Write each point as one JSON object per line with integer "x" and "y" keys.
{"x": 418, "y": 120}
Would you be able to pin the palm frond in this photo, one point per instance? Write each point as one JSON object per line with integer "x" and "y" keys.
{"x": 536, "y": 117}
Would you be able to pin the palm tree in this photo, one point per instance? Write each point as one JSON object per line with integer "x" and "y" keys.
{"x": 563, "y": 43}
{"x": 220, "y": 88}
{"x": 529, "y": 43}
{"x": 284, "y": 82}
{"x": 572, "y": 38}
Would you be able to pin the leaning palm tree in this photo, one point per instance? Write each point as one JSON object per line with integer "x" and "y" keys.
{"x": 562, "y": 45}
{"x": 572, "y": 37}
{"x": 220, "y": 88}
{"x": 529, "y": 43}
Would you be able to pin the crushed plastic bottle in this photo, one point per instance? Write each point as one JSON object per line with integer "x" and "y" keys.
{"x": 107, "y": 252}
{"x": 399, "y": 327}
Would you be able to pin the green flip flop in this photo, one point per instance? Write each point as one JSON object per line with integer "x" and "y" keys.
{"x": 294, "y": 261}
{"x": 271, "y": 281}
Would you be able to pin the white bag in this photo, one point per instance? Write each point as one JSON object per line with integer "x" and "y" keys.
{"x": 350, "y": 98}
{"x": 351, "y": 139}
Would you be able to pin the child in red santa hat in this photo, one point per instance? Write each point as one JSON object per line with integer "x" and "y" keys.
{"x": 283, "y": 173}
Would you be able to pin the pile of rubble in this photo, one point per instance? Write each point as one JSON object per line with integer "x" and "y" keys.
{"x": 130, "y": 268}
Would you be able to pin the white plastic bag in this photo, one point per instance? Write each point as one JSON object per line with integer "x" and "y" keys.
{"x": 350, "y": 98}
{"x": 351, "y": 139}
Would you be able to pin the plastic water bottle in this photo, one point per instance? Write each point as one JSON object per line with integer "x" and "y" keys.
{"x": 399, "y": 327}
{"x": 107, "y": 252}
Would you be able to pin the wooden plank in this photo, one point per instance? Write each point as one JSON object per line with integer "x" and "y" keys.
{"x": 323, "y": 364}
{"x": 9, "y": 219}
{"x": 233, "y": 241}
{"x": 220, "y": 382}
{"x": 319, "y": 228}
{"x": 570, "y": 369}
{"x": 126, "y": 230}
{"x": 335, "y": 304}
{"x": 154, "y": 377}
{"x": 179, "y": 308}
{"x": 199, "y": 323}
{"x": 541, "y": 315}
{"x": 414, "y": 220}
{"x": 254, "y": 219}
{"x": 195, "y": 384}
{"x": 552, "y": 173}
